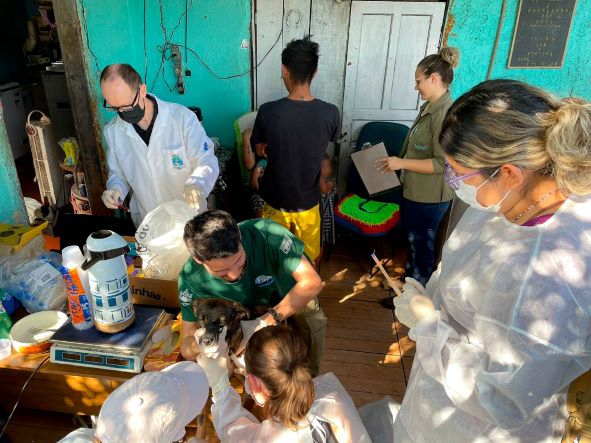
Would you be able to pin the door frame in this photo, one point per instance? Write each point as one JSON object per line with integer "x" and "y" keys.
{"x": 84, "y": 105}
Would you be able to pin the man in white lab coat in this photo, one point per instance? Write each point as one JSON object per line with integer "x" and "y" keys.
{"x": 156, "y": 149}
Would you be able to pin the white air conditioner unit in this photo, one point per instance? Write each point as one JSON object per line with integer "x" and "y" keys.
{"x": 46, "y": 159}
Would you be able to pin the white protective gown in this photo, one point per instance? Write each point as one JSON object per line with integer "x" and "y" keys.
{"x": 179, "y": 151}
{"x": 234, "y": 424}
{"x": 512, "y": 331}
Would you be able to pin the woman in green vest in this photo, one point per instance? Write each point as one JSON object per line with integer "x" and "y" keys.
{"x": 426, "y": 196}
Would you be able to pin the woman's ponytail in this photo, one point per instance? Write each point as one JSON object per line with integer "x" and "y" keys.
{"x": 568, "y": 143}
{"x": 294, "y": 397}
{"x": 278, "y": 356}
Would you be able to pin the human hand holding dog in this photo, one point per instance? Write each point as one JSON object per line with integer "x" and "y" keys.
{"x": 414, "y": 304}
{"x": 212, "y": 350}
{"x": 216, "y": 368}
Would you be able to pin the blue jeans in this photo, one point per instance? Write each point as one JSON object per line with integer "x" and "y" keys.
{"x": 420, "y": 221}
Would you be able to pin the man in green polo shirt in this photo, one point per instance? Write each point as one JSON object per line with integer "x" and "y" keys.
{"x": 257, "y": 263}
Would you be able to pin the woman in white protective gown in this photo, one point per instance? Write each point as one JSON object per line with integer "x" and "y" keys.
{"x": 504, "y": 324}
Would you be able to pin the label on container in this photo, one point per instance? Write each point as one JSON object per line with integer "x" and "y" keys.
{"x": 44, "y": 274}
{"x": 78, "y": 302}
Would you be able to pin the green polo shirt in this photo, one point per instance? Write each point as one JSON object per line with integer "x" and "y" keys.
{"x": 422, "y": 142}
{"x": 272, "y": 255}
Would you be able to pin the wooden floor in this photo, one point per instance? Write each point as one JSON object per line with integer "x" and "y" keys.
{"x": 365, "y": 347}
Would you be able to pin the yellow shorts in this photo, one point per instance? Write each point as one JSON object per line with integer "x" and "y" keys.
{"x": 305, "y": 225}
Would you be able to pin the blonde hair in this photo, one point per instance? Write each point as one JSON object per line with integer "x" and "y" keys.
{"x": 279, "y": 357}
{"x": 442, "y": 63}
{"x": 508, "y": 121}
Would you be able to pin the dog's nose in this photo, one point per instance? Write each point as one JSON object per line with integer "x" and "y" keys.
{"x": 206, "y": 341}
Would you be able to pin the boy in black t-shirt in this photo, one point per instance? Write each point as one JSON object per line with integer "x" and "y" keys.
{"x": 296, "y": 130}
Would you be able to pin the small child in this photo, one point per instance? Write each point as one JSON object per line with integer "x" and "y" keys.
{"x": 255, "y": 160}
{"x": 328, "y": 197}
{"x": 256, "y": 200}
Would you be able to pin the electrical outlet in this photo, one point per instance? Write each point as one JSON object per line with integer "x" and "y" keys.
{"x": 244, "y": 44}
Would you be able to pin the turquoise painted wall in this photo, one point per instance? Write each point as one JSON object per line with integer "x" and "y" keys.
{"x": 472, "y": 27}
{"x": 215, "y": 32}
{"x": 12, "y": 208}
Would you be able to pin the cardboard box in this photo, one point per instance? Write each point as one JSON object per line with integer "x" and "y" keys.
{"x": 151, "y": 291}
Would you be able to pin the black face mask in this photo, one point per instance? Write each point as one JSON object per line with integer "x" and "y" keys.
{"x": 134, "y": 115}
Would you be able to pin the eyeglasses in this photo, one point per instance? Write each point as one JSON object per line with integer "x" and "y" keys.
{"x": 452, "y": 179}
{"x": 122, "y": 108}
{"x": 419, "y": 80}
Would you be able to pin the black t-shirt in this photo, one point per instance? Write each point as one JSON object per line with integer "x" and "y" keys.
{"x": 145, "y": 134}
{"x": 297, "y": 134}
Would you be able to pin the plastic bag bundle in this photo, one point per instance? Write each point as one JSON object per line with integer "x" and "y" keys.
{"x": 8, "y": 264}
{"x": 160, "y": 240}
{"x": 38, "y": 284}
{"x": 70, "y": 147}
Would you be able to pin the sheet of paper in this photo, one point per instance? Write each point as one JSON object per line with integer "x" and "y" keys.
{"x": 374, "y": 180}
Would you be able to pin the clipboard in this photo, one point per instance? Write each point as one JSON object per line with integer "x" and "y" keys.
{"x": 374, "y": 180}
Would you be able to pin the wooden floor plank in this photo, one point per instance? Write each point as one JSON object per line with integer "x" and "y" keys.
{"x": 382, "y": 336}
{"x": 369, "y": 311}
{"x": 376, "y": 386}
{"x": 345, "y": 356}
{"x": 364, "y": 371}
{"x": 362, "y": 346}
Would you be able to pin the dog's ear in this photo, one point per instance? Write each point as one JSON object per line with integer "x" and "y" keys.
{"x": 241, "y": 312}
{"x": 195, "y": 305}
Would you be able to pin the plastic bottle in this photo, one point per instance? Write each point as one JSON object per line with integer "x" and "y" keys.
{"x": 5, "y": 321}
{"x": 78, "y": 289}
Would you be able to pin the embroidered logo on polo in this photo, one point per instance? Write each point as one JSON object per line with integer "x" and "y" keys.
{"x": 263, "y": 280}
{"x": 205, "y": 146}
{"x": 177, "y": 161}
{"x": 185, "y": 298}
{"x": 422, "y": 147}
{"x": 286, "y": 245}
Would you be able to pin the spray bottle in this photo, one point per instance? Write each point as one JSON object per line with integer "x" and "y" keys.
{"x": 78, "y": 290}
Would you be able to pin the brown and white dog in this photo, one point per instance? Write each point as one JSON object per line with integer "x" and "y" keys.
{"x": 213, "y": 314}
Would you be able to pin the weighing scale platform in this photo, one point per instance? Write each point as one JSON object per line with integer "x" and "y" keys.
{"x": 123, "y": 351}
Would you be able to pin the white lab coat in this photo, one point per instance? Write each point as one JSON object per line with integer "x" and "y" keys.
{"x": 513, "y": 330}
{"x": 234, "y": 424}
{"x": 179, "y": 152}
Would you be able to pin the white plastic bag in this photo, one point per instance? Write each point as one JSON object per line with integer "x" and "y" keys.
{"x": 160, "y": 240}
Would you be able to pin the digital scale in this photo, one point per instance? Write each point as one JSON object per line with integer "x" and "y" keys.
{"x": 124, "y": 351}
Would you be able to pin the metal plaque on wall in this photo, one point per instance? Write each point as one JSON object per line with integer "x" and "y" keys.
{"x": 541, "y": 33}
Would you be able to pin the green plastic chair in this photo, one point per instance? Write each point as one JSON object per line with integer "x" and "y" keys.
{"x": 240, "y": 125}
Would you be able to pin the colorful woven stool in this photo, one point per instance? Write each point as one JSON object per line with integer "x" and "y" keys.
{"x": 365, "y": 217}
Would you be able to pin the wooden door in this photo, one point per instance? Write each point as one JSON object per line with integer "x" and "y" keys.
{"x": 386, "y": 42}
{"x": 277, "y": 23}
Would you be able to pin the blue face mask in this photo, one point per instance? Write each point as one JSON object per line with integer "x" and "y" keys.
{"x": 468, "y": 194}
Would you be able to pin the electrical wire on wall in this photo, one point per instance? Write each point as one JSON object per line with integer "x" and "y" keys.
{"x": 168, "y": 43}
